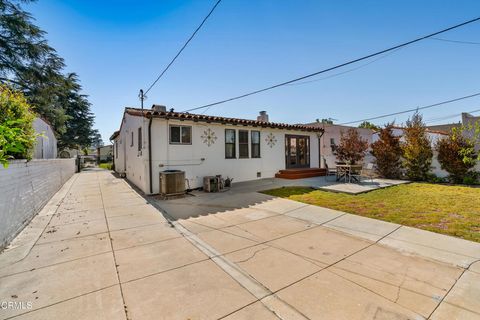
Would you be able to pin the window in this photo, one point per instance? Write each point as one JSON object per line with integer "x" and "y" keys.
{"x": 243, "y": 143}
{"x": 255, "y": 144}
{"x": 116, "y": 150}
{"x": 230, "y": 144}
{"x": 180, "y": 135}
{"x": 139, "y": 139}
{"x": 332, "y": 144}
{"x": 131, "y": 143}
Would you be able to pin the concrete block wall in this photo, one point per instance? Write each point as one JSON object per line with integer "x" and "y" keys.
{"x": 25, "y": 188}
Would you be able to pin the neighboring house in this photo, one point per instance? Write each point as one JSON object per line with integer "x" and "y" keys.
{"x": 433, "y": 136}
{"x": 203, "y": 145}
{"x": 105, "y": 153}
{"x": 331, "y": 139}
{"x": 467, "y": 119}
{"x": 46, "y": 146}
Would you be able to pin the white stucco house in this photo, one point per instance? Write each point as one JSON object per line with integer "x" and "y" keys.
{"x": 153, "y": 140}
{"x": 46, "y": 145}
{"x": 105, "y": 153}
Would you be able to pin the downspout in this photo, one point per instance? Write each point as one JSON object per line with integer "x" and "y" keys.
{"x": 320, "y": 144}
{"x": 150, "y": 153}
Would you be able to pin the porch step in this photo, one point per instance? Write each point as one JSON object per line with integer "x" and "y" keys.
{"x": 300, "y": 173}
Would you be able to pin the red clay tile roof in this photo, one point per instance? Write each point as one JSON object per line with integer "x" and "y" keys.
{"x": 223, "y": 120}
{"x": 114, "y": 135}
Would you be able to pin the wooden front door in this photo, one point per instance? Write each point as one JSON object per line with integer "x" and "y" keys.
{"x": 297, "y": 151}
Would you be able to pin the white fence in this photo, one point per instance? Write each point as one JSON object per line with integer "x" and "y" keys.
{"x": 25, "y": 187}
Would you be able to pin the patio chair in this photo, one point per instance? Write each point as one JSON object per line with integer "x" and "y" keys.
{"x": 355, "y": 173}
{"x": 330, "y": 171}
{"x": 368, "y": 171}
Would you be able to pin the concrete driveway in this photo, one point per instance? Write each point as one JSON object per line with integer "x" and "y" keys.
{"x": 99, "y": 250}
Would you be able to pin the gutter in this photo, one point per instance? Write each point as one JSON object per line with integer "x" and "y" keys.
{"x": 150, "y": 153}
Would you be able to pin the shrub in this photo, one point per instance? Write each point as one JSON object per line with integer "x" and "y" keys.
{"x": 108, "y": 166}
{"x": 457, "y": 156}
{"x": 433, "y": 178}
{"x": 17, "y": 136}
{"x": 352, "y": 147}
{"x": 469, "y": 180}
{"x": 417, "y": 149}
{"x": 387, "y": 153}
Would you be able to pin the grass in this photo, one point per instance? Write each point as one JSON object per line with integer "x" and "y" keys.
{"x": 107, "y": 166}
{"x": 451, "y": 210}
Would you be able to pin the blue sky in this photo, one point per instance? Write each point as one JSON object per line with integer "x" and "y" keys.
{"x": 118, "y": 47}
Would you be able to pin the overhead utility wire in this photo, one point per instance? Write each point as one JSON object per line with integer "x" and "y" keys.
{"x": 455, "y": 41}
{"x": 346, "y": 71}
{"x": 335, "y": 67}
{"x": 449, "y": 116}
{"x": 184, "y": 46}
{"x": 414, "y": 109}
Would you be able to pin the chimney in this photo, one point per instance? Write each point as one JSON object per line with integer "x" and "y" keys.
{"x": 159, "y": 108}
{"x": 263, "y": 116}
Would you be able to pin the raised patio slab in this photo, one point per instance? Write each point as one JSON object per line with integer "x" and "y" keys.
{"x": 362, "y": 187}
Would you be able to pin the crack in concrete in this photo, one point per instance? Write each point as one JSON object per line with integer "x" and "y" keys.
{"x": 251, "y": 256}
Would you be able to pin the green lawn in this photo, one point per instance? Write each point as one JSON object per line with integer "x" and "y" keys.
{"x": 107, "y": 166}
{"x": 451, "y": 210}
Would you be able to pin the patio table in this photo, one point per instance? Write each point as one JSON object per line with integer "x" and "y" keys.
{"x": 344, "y": 172}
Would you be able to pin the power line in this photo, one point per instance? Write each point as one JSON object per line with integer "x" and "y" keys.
{"x": 455, "y": 41}
{"x": 414, "y": 109}
{"x": 184, "y": 46}
{"x": 346, "y": 71}
{"x": 336, "y": 67}
{"x": 450, "y": 116}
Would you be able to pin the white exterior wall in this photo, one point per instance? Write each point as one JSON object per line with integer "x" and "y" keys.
{"x": 25, "y": 187}
{"x": 46, "y": 146}
{"x": 130, "y": 161}
{"x": 119, "y": 154}
{"x": 335, "y": 132}
{"x": 433, "y": 137}
{"x": 199, "y": 159}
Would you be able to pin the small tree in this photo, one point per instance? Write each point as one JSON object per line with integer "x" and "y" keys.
{"x": 352, "y": 147}
{"x": 17, "y": 136}
{"x": 417, "y": 149}
{"x": 456, "y": 153}
{"x": 388, "y": 153}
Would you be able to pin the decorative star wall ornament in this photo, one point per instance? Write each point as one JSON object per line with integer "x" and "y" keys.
{"x": 271, "y": 140}
{"x": 209, "y": 137}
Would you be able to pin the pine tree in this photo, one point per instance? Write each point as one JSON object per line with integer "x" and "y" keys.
{"x": 417, "y": 149}
{"x": 387, "y": 153}
{"x": 31, "y": 66}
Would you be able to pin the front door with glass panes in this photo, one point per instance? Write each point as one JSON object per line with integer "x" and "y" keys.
{"x": 297, "y": 151}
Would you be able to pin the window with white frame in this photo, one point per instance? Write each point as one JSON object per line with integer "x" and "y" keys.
{"x": 180, "y": 134}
